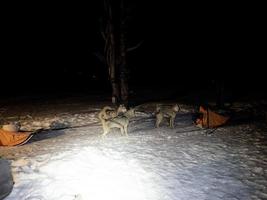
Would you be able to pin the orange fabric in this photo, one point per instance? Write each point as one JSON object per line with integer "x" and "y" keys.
{"x": 211, "y": 119}
{"x": 8, "y": 138}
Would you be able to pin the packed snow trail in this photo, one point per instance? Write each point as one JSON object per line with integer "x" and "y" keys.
{"x": 160, "y": 164}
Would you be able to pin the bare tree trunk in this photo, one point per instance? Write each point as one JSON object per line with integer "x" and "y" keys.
{"x": 123, "y": 77}
{"x": 116, "y": 50}
{"x": 113, "y": 71}
{"x": 123, "y": 63}
{"x": 110, "y": 51}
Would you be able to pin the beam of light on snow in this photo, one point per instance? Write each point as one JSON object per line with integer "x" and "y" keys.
{"x": 91, "y": 175}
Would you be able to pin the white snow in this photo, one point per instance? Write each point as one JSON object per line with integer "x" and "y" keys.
{"x": 150, "y": 164}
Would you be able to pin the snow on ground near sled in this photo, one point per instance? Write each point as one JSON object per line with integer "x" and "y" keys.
{"x": 159, "y": 164}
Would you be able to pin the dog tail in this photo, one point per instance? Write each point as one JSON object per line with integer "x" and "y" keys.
{"x": 102, "y": 113}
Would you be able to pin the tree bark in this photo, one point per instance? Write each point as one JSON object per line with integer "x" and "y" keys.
{"x": 123, "y": 62}
{"x": 110, "y": 51}
{"x": 116, "y": 49}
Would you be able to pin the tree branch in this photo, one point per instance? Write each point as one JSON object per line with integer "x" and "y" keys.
{"x": 135, "y": 47}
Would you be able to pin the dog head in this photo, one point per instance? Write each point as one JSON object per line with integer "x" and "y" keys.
{"x": 121, "y": 109}
{"x": 176, "y": 108}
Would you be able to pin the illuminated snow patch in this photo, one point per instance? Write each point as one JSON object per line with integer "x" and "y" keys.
{"x": 91, "y": 175}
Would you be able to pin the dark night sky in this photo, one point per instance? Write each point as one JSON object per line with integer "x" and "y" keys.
{"x": 52, "y": 45}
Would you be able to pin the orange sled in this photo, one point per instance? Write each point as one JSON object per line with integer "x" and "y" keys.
{"x": 10, "y": 138}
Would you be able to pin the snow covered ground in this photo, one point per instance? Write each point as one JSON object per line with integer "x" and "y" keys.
{"x": 150, "y": 164}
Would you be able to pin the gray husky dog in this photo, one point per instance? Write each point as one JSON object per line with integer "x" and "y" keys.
{"x": 166, "y": 111}
{"x": 121, "y": 121}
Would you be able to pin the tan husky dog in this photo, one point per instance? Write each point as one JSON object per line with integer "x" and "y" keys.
{"x": 166, "y": 111}
{"x": 121, "y": 121}
{"x": 108, "y": 112}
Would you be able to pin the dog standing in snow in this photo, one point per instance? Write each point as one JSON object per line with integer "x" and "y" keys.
{"x": 166, "y": 111}
{"x": 121, "y": 121}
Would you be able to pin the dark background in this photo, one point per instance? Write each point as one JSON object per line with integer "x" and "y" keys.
{"x": 50, "y": 48}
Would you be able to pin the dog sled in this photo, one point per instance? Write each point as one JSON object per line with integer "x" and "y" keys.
{"x": 14, "y": 138}
{"x": 210, "y": 119}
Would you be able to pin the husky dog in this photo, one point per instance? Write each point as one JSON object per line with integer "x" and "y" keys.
{"x": 108, "y": 112}
{"x": 13, "y": 127}
{"x": 120, "y": 121}
{"x": 166, "y": 111}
